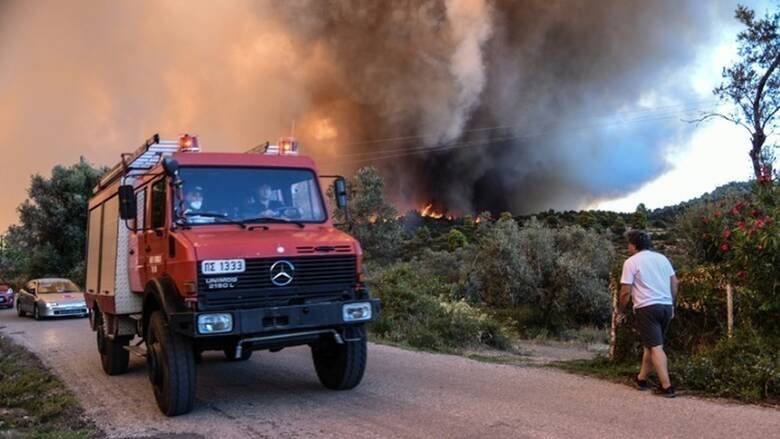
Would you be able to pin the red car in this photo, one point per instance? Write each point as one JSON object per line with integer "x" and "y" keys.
{"x": 6, "y": 296}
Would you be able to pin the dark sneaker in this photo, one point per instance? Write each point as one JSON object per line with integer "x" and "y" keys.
{"x": 641, "y": 384}
{"x": 667, "y": 392}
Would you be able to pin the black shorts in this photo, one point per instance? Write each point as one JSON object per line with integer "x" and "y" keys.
{"x": 651, "y": 322}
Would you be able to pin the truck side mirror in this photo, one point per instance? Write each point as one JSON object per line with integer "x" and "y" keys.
{"x": 340, "y": 186}
{"x": 127, "y": 206}
{"x": 171, "y": 167}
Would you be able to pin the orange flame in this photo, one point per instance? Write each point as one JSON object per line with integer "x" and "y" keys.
{"x": 429, "y": 212}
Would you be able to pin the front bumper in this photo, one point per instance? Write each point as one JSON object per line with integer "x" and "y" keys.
{"x": 63, "y": 311}
{"x": 274, "y": 320}
{"x": 6, "y": 301}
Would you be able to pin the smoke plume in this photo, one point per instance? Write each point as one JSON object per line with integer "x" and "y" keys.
{"x": 471, "y": 104}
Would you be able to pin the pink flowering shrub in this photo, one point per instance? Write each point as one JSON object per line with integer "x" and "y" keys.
{"x": 742, "y": 237}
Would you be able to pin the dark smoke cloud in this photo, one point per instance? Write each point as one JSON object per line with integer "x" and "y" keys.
{"x": 96, "y": 78}
{"x": 547, "y": 69}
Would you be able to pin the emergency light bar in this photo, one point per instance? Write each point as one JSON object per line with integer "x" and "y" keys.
{"x": 188, "y": 143}
{"x": 286, "y": 146}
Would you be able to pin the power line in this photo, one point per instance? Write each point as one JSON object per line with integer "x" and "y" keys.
{"x": 369, "y": 156}
{"x": 659, "y": 109}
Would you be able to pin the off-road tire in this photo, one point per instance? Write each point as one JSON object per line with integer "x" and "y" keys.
{"x": 114, "y": 358}
{"x": 171, "y": 364}
{"x": 341, "y": 366}
{"x": 230, "y": 354}
{"x": 19, "y": 311}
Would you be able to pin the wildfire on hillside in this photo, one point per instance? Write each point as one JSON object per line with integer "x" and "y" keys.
{"x": 428, "y": 211}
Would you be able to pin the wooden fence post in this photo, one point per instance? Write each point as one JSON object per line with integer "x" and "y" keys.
{"x": 730, "y": 309}
{"x": 613, "y": 330}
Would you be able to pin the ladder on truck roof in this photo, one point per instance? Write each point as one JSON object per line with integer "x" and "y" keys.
{"x": 145, "y": 157}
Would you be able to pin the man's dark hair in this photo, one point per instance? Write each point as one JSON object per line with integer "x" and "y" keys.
{"x": 640, "y": 239}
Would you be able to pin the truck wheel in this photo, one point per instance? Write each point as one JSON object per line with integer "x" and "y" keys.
{"x": 171, "y": 363}
{"x": 114, "y": 358}
{"x": 341, "y": 366}
{"x": 230, "y": 354}
{"x": 19, "y": 311}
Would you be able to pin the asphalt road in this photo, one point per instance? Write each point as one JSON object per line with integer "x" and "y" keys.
{"x": 404, "y": 394}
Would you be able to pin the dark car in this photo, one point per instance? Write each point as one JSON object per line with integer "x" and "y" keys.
{"x": 6, "y": 296}
{"x": 51, "y": 297}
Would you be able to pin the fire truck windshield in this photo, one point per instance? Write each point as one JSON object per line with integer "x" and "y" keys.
{"x": 212, "y": 195}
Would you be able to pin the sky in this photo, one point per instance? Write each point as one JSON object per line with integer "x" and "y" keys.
{"x": 716, "y": 153}
{"x": 94, "y": 79}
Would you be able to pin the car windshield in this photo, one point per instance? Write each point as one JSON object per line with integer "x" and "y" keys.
{"x": 57, "y": 286}
{"x": 222, "y": 195}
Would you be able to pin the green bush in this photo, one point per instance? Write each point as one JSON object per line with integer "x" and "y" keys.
{"x": 417, "y": 310}
{"x": 456, "y": 239}
{"x": 745, "y": 367}
{"x": 561, "y": 274}
{"x": 447, "y": 266}
{"x": 499, "y": 273}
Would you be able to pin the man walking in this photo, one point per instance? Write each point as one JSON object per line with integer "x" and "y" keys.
{"x": 648, "y": 279}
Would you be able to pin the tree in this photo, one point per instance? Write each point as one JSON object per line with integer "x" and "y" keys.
{"x": 456, "y": 239}
{"x": 639, "y": 218}
{"x": 51, "y": 235}
{"x": 751, "y": 84}
{"x": 469, "y": 227}
{"x": 370, "y": 218}
{"x": 586, "y": 219}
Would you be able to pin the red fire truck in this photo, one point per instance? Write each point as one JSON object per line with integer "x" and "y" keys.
{"x": 233, "y": 252}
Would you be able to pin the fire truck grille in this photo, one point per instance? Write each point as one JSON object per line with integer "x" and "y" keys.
{"x": 314, "y": 279}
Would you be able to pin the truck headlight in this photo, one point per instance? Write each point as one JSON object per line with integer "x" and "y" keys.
{"x": 356, "y": 312}
{"x": 215, "y": 323}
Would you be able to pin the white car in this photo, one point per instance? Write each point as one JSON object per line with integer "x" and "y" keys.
{"x": 51, "y": 297}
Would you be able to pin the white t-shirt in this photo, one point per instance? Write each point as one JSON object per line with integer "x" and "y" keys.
{"x": 649, "y": 275}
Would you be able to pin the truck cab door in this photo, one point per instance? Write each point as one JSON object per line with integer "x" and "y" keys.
{"x": 156, "y": 236}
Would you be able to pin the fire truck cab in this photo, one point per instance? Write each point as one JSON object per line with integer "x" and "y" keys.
{"x": 233, "y": 252}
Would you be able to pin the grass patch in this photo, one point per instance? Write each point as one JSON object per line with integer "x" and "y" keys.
{"x": 34, "y": 402}
{"x": 741, "y": 369}
{"x": 586, "y": 335}
{"x": 600, "y": 367}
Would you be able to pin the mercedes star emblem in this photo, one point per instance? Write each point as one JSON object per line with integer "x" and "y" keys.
{"x": 282, "y": 273}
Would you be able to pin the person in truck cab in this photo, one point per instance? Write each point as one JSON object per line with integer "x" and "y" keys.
{"x": 193, "y": 204}
{"x": 193, "y": 199}
{"x": 264, "y": 204}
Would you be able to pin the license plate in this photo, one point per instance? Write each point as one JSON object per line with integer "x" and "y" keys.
{"x": 223, "y": 266}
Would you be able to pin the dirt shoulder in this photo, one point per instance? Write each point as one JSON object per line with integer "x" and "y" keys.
{"x": 34, "y": 402}
{"x": 538, "y": 353}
